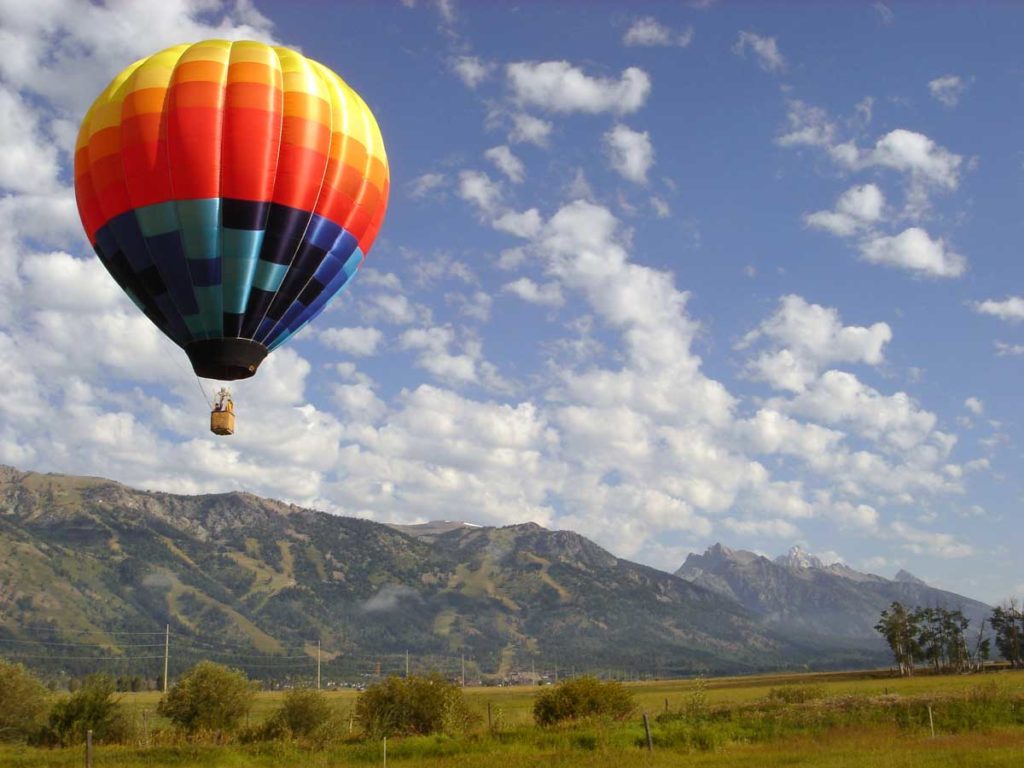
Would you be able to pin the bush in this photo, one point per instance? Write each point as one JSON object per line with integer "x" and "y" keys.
{"x": 22, "y": 702}
{"x": 92, "y": 707}
{"x": 580, "y": 698}
{"x": 305, "y": 714}
{"x": 209, "y": 697}
{"x": 413, "y": 705}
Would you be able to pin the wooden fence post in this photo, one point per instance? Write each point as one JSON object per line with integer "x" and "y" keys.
{"x": 88, "y": 748}
{"x": 647, "y": 730}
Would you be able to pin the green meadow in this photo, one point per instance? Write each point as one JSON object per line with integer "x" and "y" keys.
{"x": 829, "y": 719}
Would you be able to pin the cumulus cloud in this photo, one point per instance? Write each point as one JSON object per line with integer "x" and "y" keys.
{"x": 479, "y": 189}
{"x": 529, "y": 129}
{"x": 803, "y": 338}
{"x": 974, "y": 405}
{"x": 648, "y": 31}
{"x": 472, "y": 70}
{"x": 507, "y": 163}
{"x": 1010, "y": 308}
{"x": 929, "y": 542}
{"x": 558, "y": 86}
{"x": 523, "y": 224}
{"x": 424, "y": 185}
{"x": 913, "y": 249}
{"x": 548, "y": 294}
{"x": 360, "y": 341}
{"x": 765, "y": 50}
{"x": 630, "y": 152}
{"x": 947, "y": 89}
{"x": 926, "y": 166}
{"x": 856, "y": 209}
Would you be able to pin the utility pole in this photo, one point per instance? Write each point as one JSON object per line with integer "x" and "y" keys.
{"x": 318, "y": 665}
{"x": 167, "y": 648}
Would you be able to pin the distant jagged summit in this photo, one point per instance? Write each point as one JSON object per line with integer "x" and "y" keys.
{"x": 799, "y": 590}
{"x": 800, "y": 559}
{"x": 908, "y": 578}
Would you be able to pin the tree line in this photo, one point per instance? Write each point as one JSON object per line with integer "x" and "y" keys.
{"x": 939, "y": 638}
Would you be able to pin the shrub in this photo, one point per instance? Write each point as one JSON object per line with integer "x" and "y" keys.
{"x": 92, "y": 707}
{"x": 580, "y": 698}
{"x": 413, "y": 705}
{"x": 304, "y": 714}
{"x": 209, "y": 697}
{"x": 22, "y": 702}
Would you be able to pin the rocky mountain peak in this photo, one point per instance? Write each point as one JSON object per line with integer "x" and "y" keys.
{"x": 907, "y": 577}
{"x": 800, "y": 559}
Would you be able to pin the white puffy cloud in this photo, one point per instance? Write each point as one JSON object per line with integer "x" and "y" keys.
{"x": 478, "y": 188}
{"x": 1010, "y": 308}
{"x": 472, "y": 70}
{"x": 548, "y": 294}
{"x": 765, "y": 49}
{"x": 1004, "y": 349}
{"x": 423, "y": 185}
{"x": 913, "y": 153}
{"x": 28, "y": 162}
{"x": 630, "y": 152}
{"x": 913, "y": 249}
{"x": 523, "y": 224}
{"x": 929, "y": 542}
{"x": 529, "y": 129}
{"x": 803, "y": 338}
{"x": 360, "y": 341}
{"x": 648, "y": 31}
{"x": 770, "y": 527}
{"x": 947, "y": 89}
{"x": 558, "y": 86}
{"x": 974, "y": 405}
{"x": 434, "y": 354}
{"x": 507, "y": 163}
{"x": 856, "y": 209}
{"x": 840, "y": 398}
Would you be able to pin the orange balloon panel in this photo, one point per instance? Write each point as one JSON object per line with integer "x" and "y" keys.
{"x": 232, "y": 189}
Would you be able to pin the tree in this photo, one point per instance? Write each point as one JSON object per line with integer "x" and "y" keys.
{"x": 23, "y": 701}
{"x": 1008, "y": 627}
{"x": 900, "y": 630}
{"x": 304, "y": 714}
{"x": 413, "y": 705}
{"x": 209, "y": 697}
{"x": 580, "y": 698}
{"x": 91, "y": 708}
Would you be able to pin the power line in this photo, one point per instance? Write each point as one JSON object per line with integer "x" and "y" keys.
{"x": 82, "y": 658}
{"x": 93, "y": 645}
{"x": 58, "y": 630}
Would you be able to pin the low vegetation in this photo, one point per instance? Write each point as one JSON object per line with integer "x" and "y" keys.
{"x": 827, "y": 719}
{"x": 210, "y": 697}
{"x": 92, "y": 707}
{"x": 416, "y": 705}
{"x": 23, "y": 702}
{"x": 580, "y": 699}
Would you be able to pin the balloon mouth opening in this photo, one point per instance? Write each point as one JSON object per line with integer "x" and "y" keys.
{"x": 225, "y": 359}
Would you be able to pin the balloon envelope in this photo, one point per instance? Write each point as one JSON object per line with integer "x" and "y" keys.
{"x": 232, "y": 189}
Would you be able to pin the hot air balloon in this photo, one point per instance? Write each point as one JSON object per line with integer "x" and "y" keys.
{"x": 231, "y": 189}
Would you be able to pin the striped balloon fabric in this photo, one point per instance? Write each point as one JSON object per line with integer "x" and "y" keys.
{"x": 232, "y": 189}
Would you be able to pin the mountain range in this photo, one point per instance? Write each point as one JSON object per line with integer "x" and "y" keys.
{"x": 90, "y": 567}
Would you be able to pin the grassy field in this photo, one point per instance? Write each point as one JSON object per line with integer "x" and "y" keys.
{"x": 830, "y": 719}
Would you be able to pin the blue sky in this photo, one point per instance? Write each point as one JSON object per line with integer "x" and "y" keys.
{"x": 662, "y": 273}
